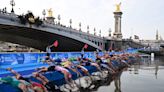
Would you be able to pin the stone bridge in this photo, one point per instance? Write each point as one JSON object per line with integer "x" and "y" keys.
{"x": 11, "y": 30}
{"x": 39, "y": 37}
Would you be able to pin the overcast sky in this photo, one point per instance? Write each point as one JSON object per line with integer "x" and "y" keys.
{"x": 140, "y": 17}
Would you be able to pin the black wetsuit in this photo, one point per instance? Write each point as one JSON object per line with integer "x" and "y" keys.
{"x": 23, "y": 78}
{"x": 51, "y": 68}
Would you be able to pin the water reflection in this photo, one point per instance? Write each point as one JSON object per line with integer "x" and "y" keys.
{"x": 147, "y": 64}
{"x": 146, "y": 76}
{"x": 117, "y": 82}
{"x": 156, "y": 70}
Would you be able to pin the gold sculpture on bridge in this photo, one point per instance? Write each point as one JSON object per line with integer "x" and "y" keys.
{"x": 118, "y": 7}
{"x": 50, "y": 13}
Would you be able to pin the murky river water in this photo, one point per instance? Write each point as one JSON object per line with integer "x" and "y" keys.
{"x": 147, "y": 77}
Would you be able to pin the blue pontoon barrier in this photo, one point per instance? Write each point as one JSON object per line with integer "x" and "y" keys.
{"x": 26, "y": 63}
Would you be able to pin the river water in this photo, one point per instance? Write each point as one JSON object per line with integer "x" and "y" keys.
{"x": 148, "y": 76}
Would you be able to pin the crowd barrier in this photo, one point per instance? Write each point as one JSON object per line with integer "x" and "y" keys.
{"x": 28, "y": 57}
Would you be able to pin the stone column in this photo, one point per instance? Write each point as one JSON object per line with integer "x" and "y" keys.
{"x": 117, "y": 33}
{"x": 50, "y": 20}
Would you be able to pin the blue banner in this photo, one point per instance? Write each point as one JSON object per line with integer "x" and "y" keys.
{"x": 26, "y": 58}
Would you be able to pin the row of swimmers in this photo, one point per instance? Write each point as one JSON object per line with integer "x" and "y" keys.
{"x": 111, "y": 63}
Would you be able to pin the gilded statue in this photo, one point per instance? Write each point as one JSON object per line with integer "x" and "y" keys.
{"x": 118, "y": 7}
{"x": 50, "y": 13}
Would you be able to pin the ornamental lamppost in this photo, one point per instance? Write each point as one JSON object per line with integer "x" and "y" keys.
{"x": 94, "y": 31}
{"x": 110, "y": 32}
{"x": 80, "y": 26}
{"x": 70, "y": 22}
{"x": 59, "y": 18}
{"x": 88, "y": 29}
{"x": 44, "y": 14}
{"x": 12, "y": 3}
{"x": 100, "y": 33}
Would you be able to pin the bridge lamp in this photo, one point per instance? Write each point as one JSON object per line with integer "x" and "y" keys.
{"x": 12, "y": 3}
{"x": 94, "y": 31}
{"x": 100, "y": 33}
{"x": 80, "y": 26}
{"x": 110, "y": 32}
{"x": 59, "y": 18}
{"x": 44, "y": 14}
{"x": 70, "y": 22}
{"x": 88, "y": 29}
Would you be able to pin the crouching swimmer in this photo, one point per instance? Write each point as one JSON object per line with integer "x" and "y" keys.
{"x": 67, "y": 74}
{"x": 79, "y": 65}
{"x": 29, "y": 84}
{"x": 49, "y": 85}
{"x": 69, "y": 65}
{"x": 17, "y": 83}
